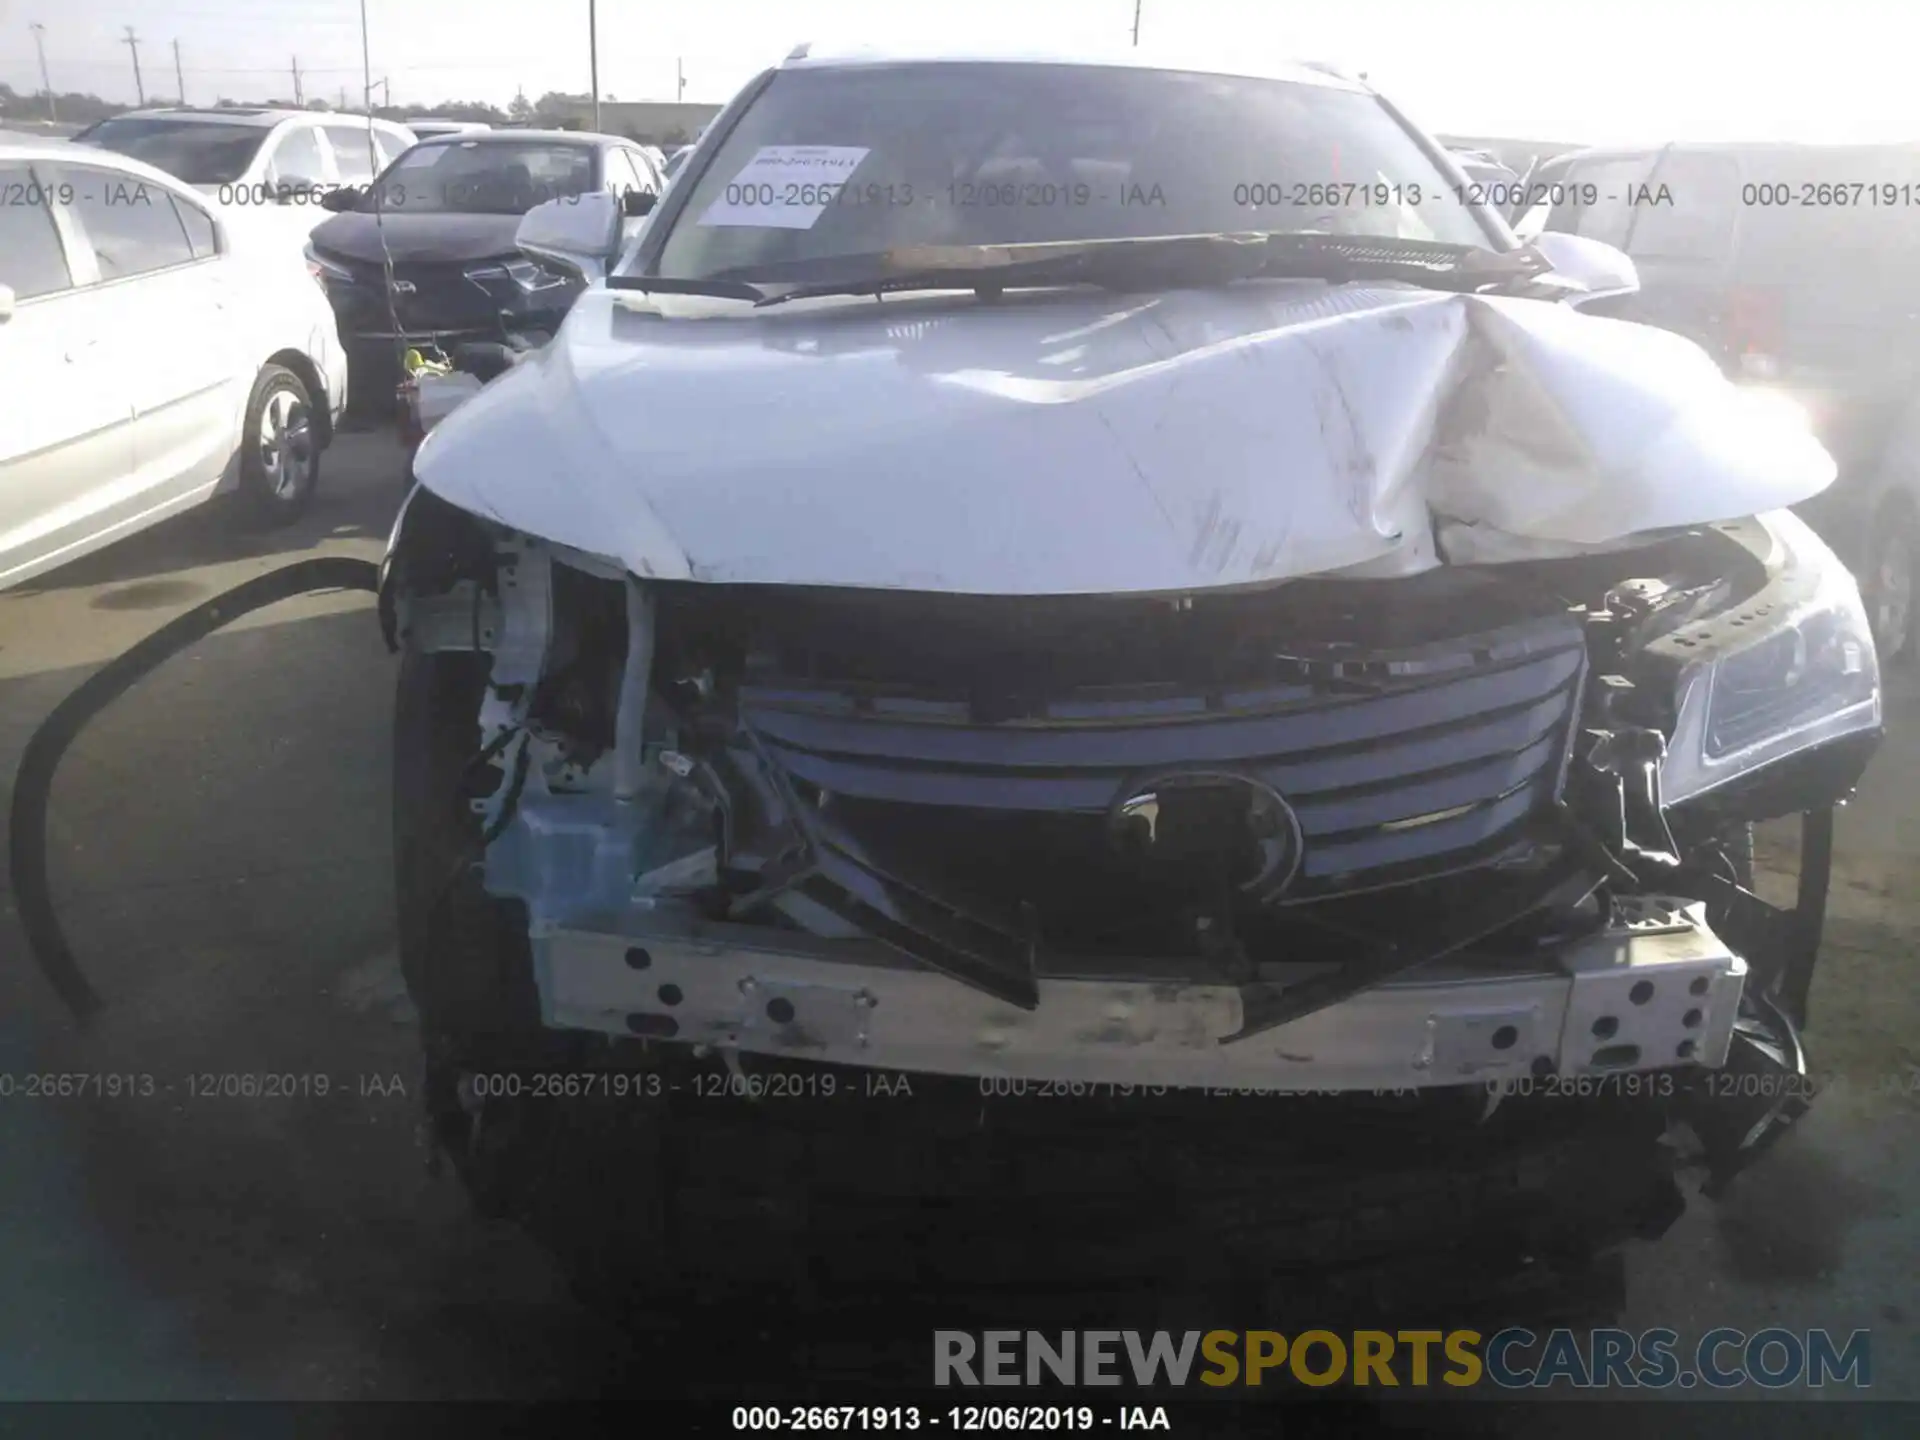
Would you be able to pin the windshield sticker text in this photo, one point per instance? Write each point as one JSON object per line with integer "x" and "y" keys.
{"x": 785, "y": 187}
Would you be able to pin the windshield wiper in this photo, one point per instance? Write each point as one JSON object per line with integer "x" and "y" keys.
{"x": 657, "y": 285}
{"x": 1207, "y": 259}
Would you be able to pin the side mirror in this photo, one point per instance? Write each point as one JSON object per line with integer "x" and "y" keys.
{"x": 1594, "y": 266}
{"x": 347, "y": 197}
{"x": 6, "y": 303}
{"x": 579, "y": 232}
{"x": 638, "y": 202}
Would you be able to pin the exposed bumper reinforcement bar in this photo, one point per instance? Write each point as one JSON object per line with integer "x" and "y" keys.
{"x": 1655, "y": 989}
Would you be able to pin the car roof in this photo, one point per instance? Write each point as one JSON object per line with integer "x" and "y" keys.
{"x": 1753, "y": 149}
{"x": 17, "y": 150}
{"x": 258, "y": 116}
{"x": 520, "y": 137}
{"x": 811, "y": 56}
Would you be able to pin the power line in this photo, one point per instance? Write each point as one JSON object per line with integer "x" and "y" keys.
{"x": 132, "y": 43}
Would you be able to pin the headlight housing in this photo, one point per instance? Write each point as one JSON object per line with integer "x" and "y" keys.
{"x": 323, "y": 269}
{"x": 529, "y": 275}
{"x": 1792, "y": 669}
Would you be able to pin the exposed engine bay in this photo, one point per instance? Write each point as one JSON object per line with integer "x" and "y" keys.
{"x": 1470, "y": 828}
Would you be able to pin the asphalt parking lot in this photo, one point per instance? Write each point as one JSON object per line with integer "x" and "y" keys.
{"x": 220, "y": 854}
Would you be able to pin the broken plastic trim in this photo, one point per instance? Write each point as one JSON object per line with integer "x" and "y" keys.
{"x": 1268, "y": 1007}
{"x": 1736, "y": 1126}
{"x": 27, "y": 821}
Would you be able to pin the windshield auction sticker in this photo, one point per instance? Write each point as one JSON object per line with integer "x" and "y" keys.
{"x": 785, "y": 187}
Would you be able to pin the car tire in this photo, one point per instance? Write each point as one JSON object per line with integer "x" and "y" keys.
{"x": 1888, "y": 580}
{"x": 279, "y": 449}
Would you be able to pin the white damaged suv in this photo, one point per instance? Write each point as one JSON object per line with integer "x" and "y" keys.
{"x": 1107, "y": 579}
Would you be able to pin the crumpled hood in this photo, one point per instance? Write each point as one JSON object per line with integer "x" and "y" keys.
{"x": 450, "y": 238}
{"x": 1081, "y": 442}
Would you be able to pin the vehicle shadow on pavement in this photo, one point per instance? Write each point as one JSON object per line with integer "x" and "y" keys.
{"x": 226, "y": 1199}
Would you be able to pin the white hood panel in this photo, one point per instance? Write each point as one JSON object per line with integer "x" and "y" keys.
{"x": 1087, "y": 443}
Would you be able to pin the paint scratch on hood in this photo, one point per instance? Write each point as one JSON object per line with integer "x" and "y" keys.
{"x": 1087, "y": 443}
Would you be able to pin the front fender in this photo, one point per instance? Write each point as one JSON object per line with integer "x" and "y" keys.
{"x": 432, "y": 547}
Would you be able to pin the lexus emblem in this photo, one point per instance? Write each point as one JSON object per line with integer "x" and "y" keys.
{"x": 1205, "y": 826}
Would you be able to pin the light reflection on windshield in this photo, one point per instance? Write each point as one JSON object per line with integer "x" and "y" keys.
{"x": 855, "y": 161}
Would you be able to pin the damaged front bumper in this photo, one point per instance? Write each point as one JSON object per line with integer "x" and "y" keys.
{"x": 1654, "y": 989}
{"x": 1451, "y": 863}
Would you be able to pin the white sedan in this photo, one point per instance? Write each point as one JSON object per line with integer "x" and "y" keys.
{"x": 150, "y": 359}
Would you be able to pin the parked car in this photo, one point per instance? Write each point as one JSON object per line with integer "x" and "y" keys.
{"x": 675, "y": 161}
{"x": 444, "y": 214}
{"x": 150, "y": 358}
{"x": 1794, "y": 266}
{"x": 428, "y": 128}
{"x": 1485, "y": 169}
{"x": 271, "y": 168}
{"x": 999, "y": 594}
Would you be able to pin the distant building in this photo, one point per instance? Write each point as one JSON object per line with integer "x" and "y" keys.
{"x": 652, "y": 122}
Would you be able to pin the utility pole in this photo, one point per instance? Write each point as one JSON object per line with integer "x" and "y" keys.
{"x": 681, "y": 74}
{"x": 298, "y": 98}
{"x": 132, "y": 42}
{"x": 40, "y": 43}
{"x": 1136, "y": 24}
{"x": 343, "y": 97}
{"x": 593, "y": 58}
{"x": 179, "y": 76}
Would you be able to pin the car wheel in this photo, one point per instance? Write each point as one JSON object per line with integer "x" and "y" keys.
{"x": 279, "y": 448}
{"x": 1887, "y": 582}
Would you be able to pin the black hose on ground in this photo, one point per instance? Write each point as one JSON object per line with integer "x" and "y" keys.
{"x": 33, "y": 786}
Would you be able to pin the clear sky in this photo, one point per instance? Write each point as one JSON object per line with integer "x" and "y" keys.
{"x": 1551, "y": 69}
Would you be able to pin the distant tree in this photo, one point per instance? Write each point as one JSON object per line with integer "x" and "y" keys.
{"x": 521, "y": 108}
{"x": 556, "y": 105}
{"x": 72, "y": 106}
{"x": 82, "y": 109}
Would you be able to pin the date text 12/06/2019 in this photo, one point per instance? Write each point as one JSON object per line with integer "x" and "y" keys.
{"x": 960, "y": 1419}
{"x": 201, "y": 1085}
